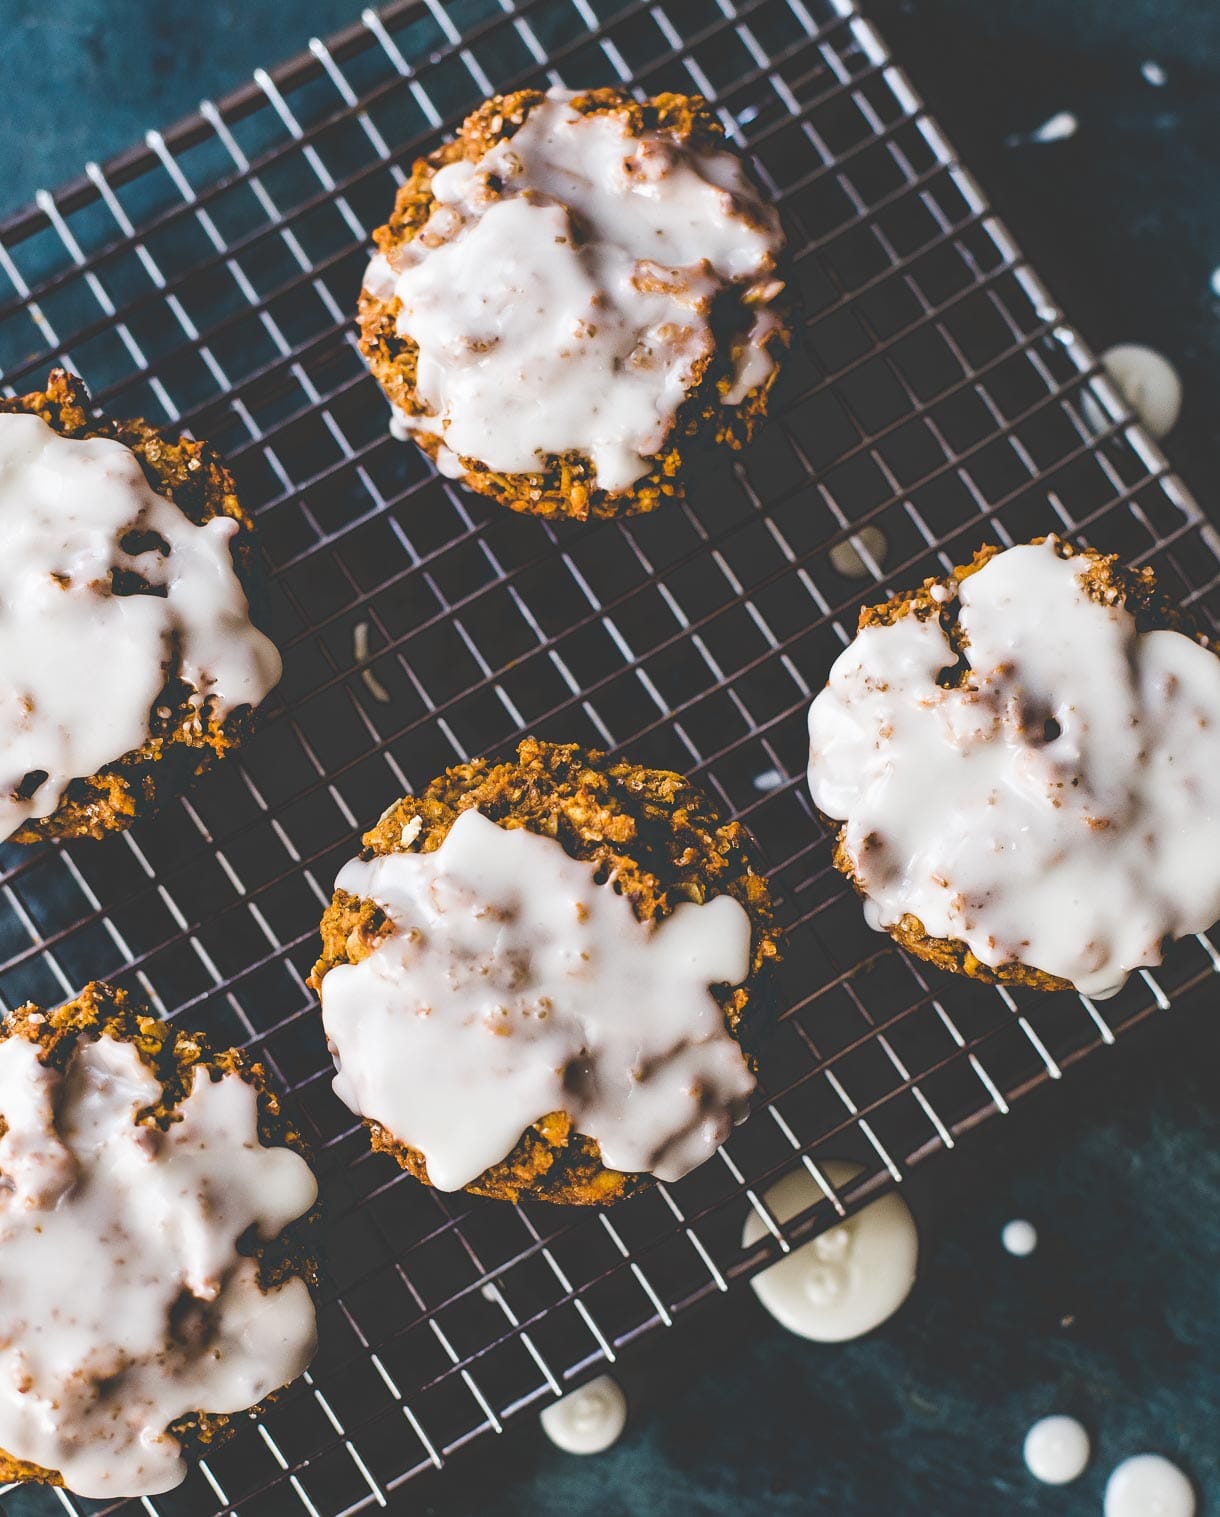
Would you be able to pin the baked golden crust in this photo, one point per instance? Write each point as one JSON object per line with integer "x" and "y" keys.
{"x": 1106, "y": 581}
{"x": 182, "y": 741}
{"x": 172, "y": 1056}
{"x": 663, "y": 843}
{"x": 566, "y": 488}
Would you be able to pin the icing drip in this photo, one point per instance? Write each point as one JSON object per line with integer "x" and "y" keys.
{"x": 560, "y": 292}
{"x": 1062, "y": 809}
{"x": 107, "y": 586}
{"x": 511, "y": 985}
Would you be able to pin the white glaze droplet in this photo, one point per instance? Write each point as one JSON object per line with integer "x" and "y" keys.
{"x": 768, "y": 779}
{"x": 1215, "y": 283}
{"x": 1148, "y": 1485}
{"x": 1057, "y": 1450}
{"x": 1057, "y": 129}
{"x": 567, "y": 309}
{"x": 847, "y": 559}
{"x": 1019, "y": 1237}
{"x": 1062, "y": 808}
{"x": 120, "y": 586}
{"x": 1154, "y": 73}
{"x": 588, "y": 1420}
{"x": 513, "y": 985}
{"x": 1148, "y": 382}
{"x": 124, "y": 1303}
{"x": 848, "y": 1280}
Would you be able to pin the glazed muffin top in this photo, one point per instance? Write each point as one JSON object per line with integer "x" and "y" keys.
{"x": 124, "y": 623}
{"x": 1024, "y": 756}
{"x": 496, "y": 975}
{"x": 146, "y": 1284}
{"x": 571, "y": 273}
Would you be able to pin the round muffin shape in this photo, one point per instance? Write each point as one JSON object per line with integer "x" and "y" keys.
{"x": 569, "y": 293}
{"x": 128, "y": 660}
{"x": 1023, "y": 757}
{"x": 151, "y": 1283}
{"x": 557, "y": 930}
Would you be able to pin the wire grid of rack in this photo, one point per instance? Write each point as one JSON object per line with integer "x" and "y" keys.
{"x": 206, "y": 279}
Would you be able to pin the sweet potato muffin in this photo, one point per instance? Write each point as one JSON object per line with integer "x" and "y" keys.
{"x": 152, "y": 1282}
{"x": 571, "y": 292}
{"x": 1023, "y": 759}
{"x": 128, "y": 660}
{"x": 541, "y": 965}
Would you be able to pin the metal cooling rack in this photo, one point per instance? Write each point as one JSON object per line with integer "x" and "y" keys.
{"x": 207, "y": 279}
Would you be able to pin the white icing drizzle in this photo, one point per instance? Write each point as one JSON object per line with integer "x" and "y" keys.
{"x": 81, "y": 666}
{"x": 512, "y": 985}
{"x": 124, "y": 1303}
{"x": 1063, "y": 808}
{"x": 569, "y": 310}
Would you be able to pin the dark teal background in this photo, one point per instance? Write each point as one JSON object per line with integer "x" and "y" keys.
{"x": 1116, "y": 1319}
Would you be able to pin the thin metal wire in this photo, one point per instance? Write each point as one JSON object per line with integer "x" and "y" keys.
{"x": 938, "y": 393}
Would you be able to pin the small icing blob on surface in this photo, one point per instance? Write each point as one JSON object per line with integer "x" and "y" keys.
{"x": 1057, "y": 1450}
{"x": 588, "y": 1420}
{"x": 847, "y": 1281}
{"x": 1149, "y": 384}
{"x": 108, "y": 589}
{"x": 850, "y": 562}
{"x": 560, "y": 293}
{"x": 1057, "y": 129}
{"x": 1019, "y": 1238}
{"x": 511, "y": 985}
{"x": 124, "y": 1303}
{"x": 1061, "y": 808}
{"x": 1148, "y": 1485}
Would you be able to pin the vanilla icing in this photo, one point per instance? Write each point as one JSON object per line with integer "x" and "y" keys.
{"x": 1057, "y": 1450}
{"x": 1062, "y": 807}
{"x": 510, "y": 984}
{"x": 587, "y": 1420}
{"x": 107, "y": 590}
{"x": 560, "y": 292}
{"x": 848, "y": 1280}
{"x": 124, "y": 1303}
{"x": 1148, "y": 1485}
